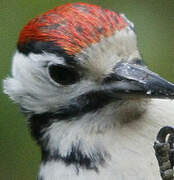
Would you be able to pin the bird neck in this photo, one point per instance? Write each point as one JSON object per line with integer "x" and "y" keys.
{"x": 72, "y": 144}
{"x": 79, "y": 141}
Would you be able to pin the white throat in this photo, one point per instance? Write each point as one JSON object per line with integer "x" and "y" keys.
{"x": 122, "y": 145}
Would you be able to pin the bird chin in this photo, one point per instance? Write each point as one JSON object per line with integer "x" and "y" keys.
{"x": 131, "y": 110}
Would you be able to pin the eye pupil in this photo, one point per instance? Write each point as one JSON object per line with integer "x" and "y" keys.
{"x": 63, "y": 74}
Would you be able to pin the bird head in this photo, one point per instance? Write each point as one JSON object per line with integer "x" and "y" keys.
{"x": 78, "y": 67}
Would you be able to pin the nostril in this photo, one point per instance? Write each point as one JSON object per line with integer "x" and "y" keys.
{"x": 137, "y": 62}
{"x": 111, "y": 78}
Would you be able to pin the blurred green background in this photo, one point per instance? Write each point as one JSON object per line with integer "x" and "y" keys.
{"x": 154, "y": 21}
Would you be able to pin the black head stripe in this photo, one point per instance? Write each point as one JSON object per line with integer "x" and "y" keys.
{"x": 38, "y": 47}
{"x": 85, "y": 103}
{"x": 76, "y": 107}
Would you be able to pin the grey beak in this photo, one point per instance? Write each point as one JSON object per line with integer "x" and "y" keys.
{"x": 132, "y": 79}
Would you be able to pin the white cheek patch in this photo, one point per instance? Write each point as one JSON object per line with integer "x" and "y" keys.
{"x": 31, "y": 86}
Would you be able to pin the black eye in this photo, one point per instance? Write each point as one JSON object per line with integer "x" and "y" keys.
{"x": 63, "y": 74}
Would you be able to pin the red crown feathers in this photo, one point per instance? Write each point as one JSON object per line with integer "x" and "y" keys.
{"x": 73, "y": 26}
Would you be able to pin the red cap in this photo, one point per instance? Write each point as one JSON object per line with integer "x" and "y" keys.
{"x": 73, "y": 26}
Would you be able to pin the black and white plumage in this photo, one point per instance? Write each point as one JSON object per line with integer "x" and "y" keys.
{"x": 91, "y": 112}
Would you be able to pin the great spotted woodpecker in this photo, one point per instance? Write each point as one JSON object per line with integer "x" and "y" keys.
{"x": 89, "y": 98}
